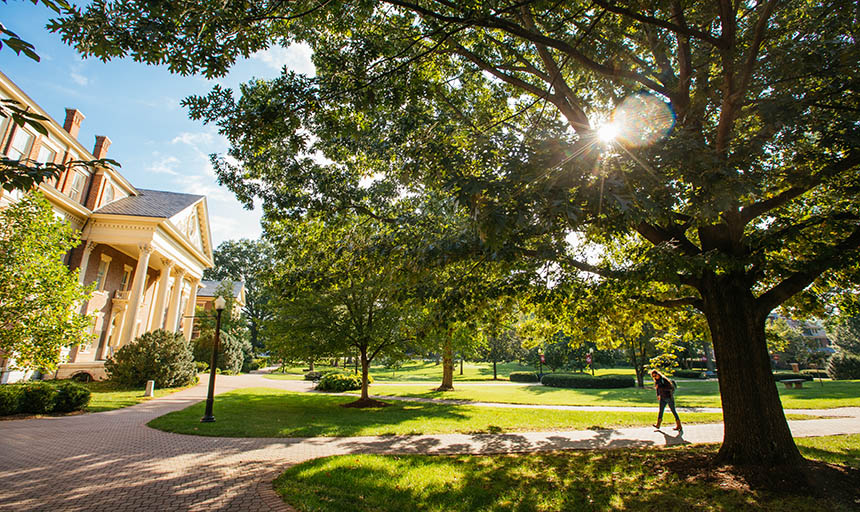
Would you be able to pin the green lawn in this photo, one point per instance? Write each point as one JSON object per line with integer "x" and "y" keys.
{"x": 264, "y": 412}
{"x": 637, "y": 480}
{"x": 431, "y": 372}
{"x": 690, "y": 394}
{"x": 106, "y": 396}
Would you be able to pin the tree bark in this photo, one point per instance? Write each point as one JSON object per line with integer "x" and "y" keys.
{"x": 495, "y": 373}
{"x": 311, "y": 365}
{"x": 461, "y": 365}
{"x": 756, "y": 431}
{"x": 365, "y": 373}
{"x": 447, "y": 367}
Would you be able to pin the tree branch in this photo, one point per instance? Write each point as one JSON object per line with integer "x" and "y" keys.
{"x": 535, "y": 37}
{"x": 650, "y": 20}
{"x": 797, "y": 282}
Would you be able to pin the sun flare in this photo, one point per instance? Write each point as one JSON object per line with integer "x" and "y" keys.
{"x": 608, "y": 132}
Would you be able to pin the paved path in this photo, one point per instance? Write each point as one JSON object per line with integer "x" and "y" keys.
{"x": 112, "y": 461}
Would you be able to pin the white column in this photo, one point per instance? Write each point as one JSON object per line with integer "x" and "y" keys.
{"x": 85, "y": 260}
{"x": 176, "y": 296}
{"x": 163, "y": 287}
{"x": 136, "y": 296}
{"x": 189, "y": 309}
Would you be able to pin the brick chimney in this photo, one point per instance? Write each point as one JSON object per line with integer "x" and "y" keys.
{"x": 101, "y": 147}
{"x": 73, "y": 121}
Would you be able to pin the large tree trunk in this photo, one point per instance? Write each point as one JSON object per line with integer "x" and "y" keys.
{"x": 447, "y": 367}
{"x": 311, "y": 365}
{"x": 365, "y": 373}
{"x": 756, "y": 431}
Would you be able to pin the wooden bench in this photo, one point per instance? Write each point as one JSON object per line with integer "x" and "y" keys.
{"x": 796, "y": 383}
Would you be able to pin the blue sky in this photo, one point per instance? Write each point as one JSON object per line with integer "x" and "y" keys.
{"x": 138, "y": 107}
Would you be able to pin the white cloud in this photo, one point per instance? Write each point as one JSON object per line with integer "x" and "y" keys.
{"x": 296, "y": 57}
{"x": 79, "y": 78}
{"x": 164, "y": 166}
{"x": 193, "y": 139}
{"x": 240, "y": 224}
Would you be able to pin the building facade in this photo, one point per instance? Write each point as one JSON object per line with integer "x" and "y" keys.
{"x": 144, "y": 250}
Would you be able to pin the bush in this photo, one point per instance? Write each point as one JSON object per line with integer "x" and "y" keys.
{"x": 524, "y": 377}
{"x": 162, "y": 356}
{"x": 37, "y": 397}
{"x": 231, "y": 353}
{"x": 338, "y": 382}
{"x": 844, "y": 366}
{"x": 201, "y": 366}
{"x": 71, "y": 397}
{"x": 816, "y": 374}
{"x": 313, "y": 375}
{"x": 10, "y": 399}
{"x": 780, "y": 376}
{"x": 689, "y": 374}
{"x": 573, "y": 380}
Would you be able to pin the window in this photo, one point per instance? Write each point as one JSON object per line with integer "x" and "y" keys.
{"x": 126, "y": 278}
{"x": 101, "y": 277}
{"x": 46, "y": 154}
{"x": 77, "y": 186}
{"x": 21, "y": 144}
{"x": 108, "y": 194}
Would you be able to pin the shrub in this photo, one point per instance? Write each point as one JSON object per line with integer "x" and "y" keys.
{"x": 201, "y": 366}
{"x": 37, "y": 397}
{"x": 844, "y": 366}
{"x": 230, "y": 351}
{"x": 10, "y": 399}
{"x": 816, "y": 374}
{"x": 313, "y": 376}
{"x": 71, "y": 397}
{"x": 573, "y": 380}
{"x": 689, "y": 374}
{"x": 524, "y": 377}
{"x": 339, "y": 382}
{"x": 162, "y": 356}
{"x": 780, "y": 376}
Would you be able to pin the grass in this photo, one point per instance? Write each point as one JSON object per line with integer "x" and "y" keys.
{"x": 264, "y": 412}
{"x": 690, "y": 394}
{"x": 106, "y": 396}
{"x": 428, "y": 371}
{"x": 637, "y": 480}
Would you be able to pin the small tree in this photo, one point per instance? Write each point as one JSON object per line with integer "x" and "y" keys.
{"x": 38, "y": 293}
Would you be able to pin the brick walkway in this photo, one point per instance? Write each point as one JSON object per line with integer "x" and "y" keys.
{"x": 112, "y": 461}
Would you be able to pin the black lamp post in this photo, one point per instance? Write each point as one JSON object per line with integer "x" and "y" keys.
{"x": 210, "y": 397}
{"x": 540, "y": 362}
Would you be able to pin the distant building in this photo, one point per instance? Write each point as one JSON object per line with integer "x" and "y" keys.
{"x": 144, "y": 249}
{"x": 208, "y": 291}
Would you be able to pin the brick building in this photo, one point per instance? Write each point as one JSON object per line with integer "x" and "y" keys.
{"x": 145, "y": 249}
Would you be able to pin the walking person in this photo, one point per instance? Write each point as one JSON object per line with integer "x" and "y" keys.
{"x": 666, "y": 393}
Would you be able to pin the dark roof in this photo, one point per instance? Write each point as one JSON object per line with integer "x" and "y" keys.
{"x": 208, "y": 288}
{"x": 151, "y": 203}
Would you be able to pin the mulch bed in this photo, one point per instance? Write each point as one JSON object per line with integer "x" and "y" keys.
{"x": 831, "y": 482}
{"x": 365, "y": 404}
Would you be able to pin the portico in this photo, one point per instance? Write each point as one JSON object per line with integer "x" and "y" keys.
{"x": 145, "y": 255}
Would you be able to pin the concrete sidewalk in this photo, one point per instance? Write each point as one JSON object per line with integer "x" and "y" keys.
{"x": 112, "y": 461}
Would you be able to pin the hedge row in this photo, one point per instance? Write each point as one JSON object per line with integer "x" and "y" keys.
{"x": 42, "y": 398}
{"x": 574, "y": 380}
{"x": 816, "y": 374}
{"x": 689, "y": 374}
{"x": 780, "y": 376}
{"x": 524, "y": 377}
